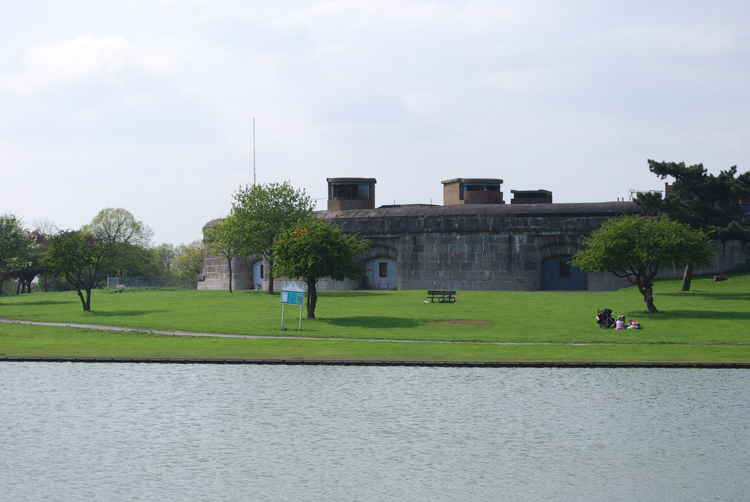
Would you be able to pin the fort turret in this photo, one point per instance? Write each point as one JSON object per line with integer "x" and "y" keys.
{"x": 531, "y": 197}
{"x": 351, "y": 193}
{"x": 472, "y": 191}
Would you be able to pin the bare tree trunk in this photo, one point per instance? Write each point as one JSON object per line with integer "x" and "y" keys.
{"x": 229, "y": 263}
{"x": 687, "y": 277}
{"x": 312, "y": 297}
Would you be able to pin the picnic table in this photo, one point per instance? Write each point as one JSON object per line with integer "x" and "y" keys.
{"x": 441, "y": 296}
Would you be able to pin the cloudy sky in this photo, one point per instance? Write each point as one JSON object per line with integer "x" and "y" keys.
{"x": 147, "y": 105}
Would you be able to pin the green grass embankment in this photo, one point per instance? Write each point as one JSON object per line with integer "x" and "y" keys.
{"x": 712, "y": 313}
{"x": 53, "y": 342}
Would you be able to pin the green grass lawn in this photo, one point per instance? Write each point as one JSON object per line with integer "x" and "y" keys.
{"x": 45, "y": 341}
{"x": 712, "y": 313}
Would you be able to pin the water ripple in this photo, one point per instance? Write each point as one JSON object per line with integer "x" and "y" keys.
{"x": 180, "y": 432}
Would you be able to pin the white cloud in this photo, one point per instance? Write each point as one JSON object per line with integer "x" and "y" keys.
{"x": 675, "y": 39}
{"x": 152, "y": 99}
{"x": 84, "y": 58}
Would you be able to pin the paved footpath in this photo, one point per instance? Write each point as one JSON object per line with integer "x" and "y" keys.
{"x": 123, "y": 329}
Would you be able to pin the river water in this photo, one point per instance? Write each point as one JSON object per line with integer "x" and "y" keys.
{"x": 76, "y": 431}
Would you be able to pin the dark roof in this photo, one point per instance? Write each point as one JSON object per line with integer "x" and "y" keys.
{"x": 391, "y": 206}
{"x": 571, "y": 209}
{"x": 351, "y": 180}
{"x": 531, "y": 192}
{"x": 472, "y": 180}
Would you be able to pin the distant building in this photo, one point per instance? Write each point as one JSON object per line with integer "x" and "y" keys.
{"x": 473, "y": 241}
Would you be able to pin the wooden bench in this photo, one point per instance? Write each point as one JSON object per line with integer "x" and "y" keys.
{"x": 441, "y": 296}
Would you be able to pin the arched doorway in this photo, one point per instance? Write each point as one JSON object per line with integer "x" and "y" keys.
{"x": 382, "y": 273}
{"x": 559, "y": 275}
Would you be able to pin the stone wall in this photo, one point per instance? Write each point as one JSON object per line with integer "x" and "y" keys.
{"x": 215, "y": 277}
{"x": 478, "y": 247}
{"x": 215, "y": 274}
{"x": 474, "y": 247}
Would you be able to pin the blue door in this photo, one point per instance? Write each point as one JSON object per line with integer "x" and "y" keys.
{"x": 382, "y": 273}
{"x": 559, "y": 275}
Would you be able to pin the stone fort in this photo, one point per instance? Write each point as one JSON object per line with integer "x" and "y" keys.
{"x": 474, "y": 241}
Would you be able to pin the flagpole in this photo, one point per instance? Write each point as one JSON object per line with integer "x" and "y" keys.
{"x": 254, "y": 176}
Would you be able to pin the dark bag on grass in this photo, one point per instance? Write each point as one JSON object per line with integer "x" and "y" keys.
{"x": 604, "y": 318}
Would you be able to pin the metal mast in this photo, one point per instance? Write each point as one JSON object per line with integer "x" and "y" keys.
{"x": 254, "y": 177}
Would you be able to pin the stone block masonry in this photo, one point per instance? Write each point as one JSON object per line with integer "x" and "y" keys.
{"x": 517, "y": 247}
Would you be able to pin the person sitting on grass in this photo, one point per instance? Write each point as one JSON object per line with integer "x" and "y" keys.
{"x": 620, "y": 322}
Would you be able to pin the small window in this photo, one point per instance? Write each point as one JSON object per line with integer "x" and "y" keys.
{"x": 383, "y": 269}
{"x": 350, "y": 191}
{"x": 564, "y": 268}
{"x": 261, "y": 271}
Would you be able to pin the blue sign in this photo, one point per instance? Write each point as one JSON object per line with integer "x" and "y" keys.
{"x": 292, "y": 297}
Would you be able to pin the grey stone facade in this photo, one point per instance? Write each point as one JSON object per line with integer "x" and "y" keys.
{"x": 469, "y": 247}
{"x": 478, "y": 247}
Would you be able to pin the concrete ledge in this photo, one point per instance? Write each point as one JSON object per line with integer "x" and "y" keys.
{"x": 445, "y": 364}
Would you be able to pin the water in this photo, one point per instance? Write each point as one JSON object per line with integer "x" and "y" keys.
{"x": 191, "y": 432}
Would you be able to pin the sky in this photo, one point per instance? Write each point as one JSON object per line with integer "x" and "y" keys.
{"x": 147, "y": 105}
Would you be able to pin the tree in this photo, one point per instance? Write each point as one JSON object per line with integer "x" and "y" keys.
{"x": 315, "y": 249}
{"x": 262, "y": 213}
{"x": 33, "y": 264}
{"x": 79, "y": 257}
{"x": 224, "y": 238}
{"x": 188, "y": 261}
{"x": 121, "y": 233}
{"x": 43, "y": 230}
{"x": 132, "y": 260}
{"x": 164, "y": 255}
{"x": 703, "y": 201}
{"x": 15, "y": 246}
{"x": 637, "y": 247}
{"x": 119, "y": 226}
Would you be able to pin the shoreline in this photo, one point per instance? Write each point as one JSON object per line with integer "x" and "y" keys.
{"x": 438, "y": 364}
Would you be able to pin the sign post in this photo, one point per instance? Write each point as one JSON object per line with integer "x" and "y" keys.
{"x": 291, "y": 297}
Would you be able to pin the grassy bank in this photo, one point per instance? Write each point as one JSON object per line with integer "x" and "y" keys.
{"x": 713, "y": 313}
{"x": 43, "y": 341}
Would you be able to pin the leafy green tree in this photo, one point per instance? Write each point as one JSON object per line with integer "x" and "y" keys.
{"x": 79, "y": 256}
{"x": 704, "y": 201}
{"x": 224, "y": 238}
{"x": 33, "y": 265}
{"x": 123, "y": 235}
{"x": 118, "y": 226}
{"x": 188, "y": 261}
{"x": 164, "y": 255}
{"x": 15, "y": 247}
{"x": 637, "y": 247}
{"x": 315, "y": 249}
{"x": 132, "y": 260}
{"x": 262, "y": 213}
{"x": 44, "y": 228}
